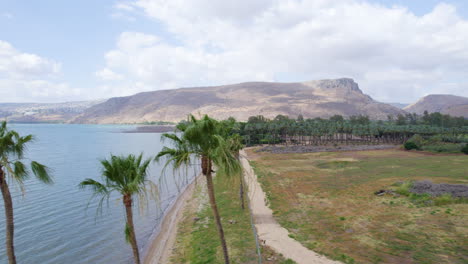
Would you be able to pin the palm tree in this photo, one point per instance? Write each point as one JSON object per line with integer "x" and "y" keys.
{"x": 235, "y": 145}
{"x": 126, "y": 175}
{"x": 202, "y": 139}
{"x": 12, "y": 169}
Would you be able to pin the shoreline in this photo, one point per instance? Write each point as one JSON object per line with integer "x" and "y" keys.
{"x": 160, "y": 249}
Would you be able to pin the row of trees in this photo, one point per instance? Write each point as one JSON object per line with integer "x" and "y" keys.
{"x": 205, "y": 140}
{"x": 432, "y": 119}
{"x": 318, "y": 131}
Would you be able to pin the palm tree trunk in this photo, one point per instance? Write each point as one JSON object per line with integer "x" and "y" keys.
{"x": 10, "y": 228}
{"x": 241, "y": 187}
{"x": 127, "y": 200}
{"x": 206, "y": 168}
{"x": 241, "y": 191}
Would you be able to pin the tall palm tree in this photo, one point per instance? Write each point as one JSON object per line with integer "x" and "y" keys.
{"x": 201, "y": 139}
{"x": 12, "y": 169}
{"x": 126, "y": 175}
{"x": 235, "y": 145}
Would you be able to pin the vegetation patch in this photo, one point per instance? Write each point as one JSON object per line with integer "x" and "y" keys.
{"x": 436, "y": 143}
{"x": 197, "y": 240}
{"x": 334, "y": 211}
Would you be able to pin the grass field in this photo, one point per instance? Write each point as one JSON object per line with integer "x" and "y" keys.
{"x": 327, "y": 202}
{"x": 197, "y": 239}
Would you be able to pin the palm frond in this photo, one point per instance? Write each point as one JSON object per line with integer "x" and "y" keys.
{"x": 97, "y": 187}
{"x": 127, "y": 233}
{"x": 20, "y": 172}
{"x": 41, "y": 172}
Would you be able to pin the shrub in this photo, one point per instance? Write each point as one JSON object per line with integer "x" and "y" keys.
{"x": 409, "y": 145}
{"x": 404, "y": 188}
{"x": 446, "y": 148}
{"x": 435, "y": 139}
{"x": 465, "y": 149}
{"x": 444, "y": 199}
{"x": 418, "y": 140}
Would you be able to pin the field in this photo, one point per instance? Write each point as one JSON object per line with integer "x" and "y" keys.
{"x": 327, "y": 202}
{"x": 197, "y": 239}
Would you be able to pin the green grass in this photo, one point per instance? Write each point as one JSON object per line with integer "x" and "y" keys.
{"x": 327, "y": 202}
{"x": 197, "y": 239}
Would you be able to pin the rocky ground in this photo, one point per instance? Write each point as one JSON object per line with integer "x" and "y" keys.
{"x": 434, "y": 189}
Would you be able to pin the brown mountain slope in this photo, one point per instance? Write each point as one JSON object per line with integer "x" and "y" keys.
{"x": 311, "y": 99}
{"x": 444, "y": 103}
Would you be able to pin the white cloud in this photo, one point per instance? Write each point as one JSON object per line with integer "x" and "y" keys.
{"x": 124, "y": 11}
{"x": 108, "y": 75}
{"x": 393, "y": 54}
{"x": 29, "y": 77}
{"x": 6, "y": 15}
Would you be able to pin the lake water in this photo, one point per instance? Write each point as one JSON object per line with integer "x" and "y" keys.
{"x": 53, "y": 223}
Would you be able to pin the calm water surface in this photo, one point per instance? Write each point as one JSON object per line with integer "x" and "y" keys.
{"x": 53, "y": 223}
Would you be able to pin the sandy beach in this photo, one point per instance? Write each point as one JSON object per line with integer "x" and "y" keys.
{"x": 161, "y": 247}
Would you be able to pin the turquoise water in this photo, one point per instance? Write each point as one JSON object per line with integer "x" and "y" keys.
{"x": 55, "y": 224}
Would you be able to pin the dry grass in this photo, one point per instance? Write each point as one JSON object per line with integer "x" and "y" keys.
{"x": 326, "y": 201}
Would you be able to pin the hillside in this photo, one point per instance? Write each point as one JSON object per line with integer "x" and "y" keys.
{"x": 322, "y": 98}
{"x": 44, "y": 112}
{"x": 398, "y": 105}
{"x": 444, "y": 103}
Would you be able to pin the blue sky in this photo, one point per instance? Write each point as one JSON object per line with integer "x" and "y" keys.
{"x": 80, "y": 50}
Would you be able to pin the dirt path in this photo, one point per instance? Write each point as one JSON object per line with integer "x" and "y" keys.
{"x": 161, "y": 247}
{"x": 269, "y": 231}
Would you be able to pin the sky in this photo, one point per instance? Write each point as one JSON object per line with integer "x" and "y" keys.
{"x": 397, "y": 50}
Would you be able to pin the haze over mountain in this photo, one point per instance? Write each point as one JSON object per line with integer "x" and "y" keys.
{"x": 44, "y": 112}
{"x": 322, "y": 98}
{"x": 443, "y": 103}
{"x": 399, "y": 105}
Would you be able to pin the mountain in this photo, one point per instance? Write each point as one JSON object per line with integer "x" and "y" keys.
{"x": 399, "y": 105}
{"x": 44, "y": 112}
{"x": 444, "y": 103}
{"x": 322, "y": 98}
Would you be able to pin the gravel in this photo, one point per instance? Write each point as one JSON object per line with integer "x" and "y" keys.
{"x": 434, "y": 189}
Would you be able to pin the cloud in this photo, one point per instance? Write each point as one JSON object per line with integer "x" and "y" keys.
{"x": 124, "y": 11}
{"x": 394, "y": 54}
{"x": 30, "y": 77}
{"x": 108, "y": 75}
{"x": 6, "y": 15}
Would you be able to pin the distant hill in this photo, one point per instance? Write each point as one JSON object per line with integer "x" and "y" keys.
{"x": 44, "y": 112}
{"x": 322, "y": 98}
{"x": 444, "y": 103}
{"x": 399, "y": 105}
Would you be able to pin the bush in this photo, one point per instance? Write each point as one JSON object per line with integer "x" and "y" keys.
{"x": 444, "y": 199}
{"x": 435, "y": 139}
{"x": 418, "y": 140}
{"x": 445, "y": 148}
{"x": 404, "y": 188}
{"x": 409, "y": 145}
{"x": 465, "y": 149}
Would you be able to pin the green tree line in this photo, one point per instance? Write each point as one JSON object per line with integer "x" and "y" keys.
{"x": 355, "y": 129}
